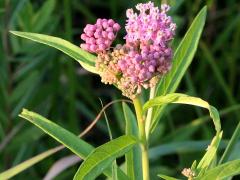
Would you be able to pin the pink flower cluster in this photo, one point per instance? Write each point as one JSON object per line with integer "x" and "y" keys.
{"x": 146, "y": 55}
{"x": 149, "y": 33}
{"x": 150, "y": 24}
{"x": 99, "y": 37}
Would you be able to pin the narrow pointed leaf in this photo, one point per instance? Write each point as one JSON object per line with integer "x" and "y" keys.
{"x": 185, "y": 99}
{"x": 183, "y": 57}
{"x": 103, "y": 156}
{"x": 68, "y": 139}
{"x": 209, "y": 155}
{"x": 178, "y": 98}
{"x": 228, "y": 169}
{"x": 86, "y": 59}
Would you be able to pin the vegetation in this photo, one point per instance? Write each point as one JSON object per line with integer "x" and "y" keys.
{"x": 49, "y": 82}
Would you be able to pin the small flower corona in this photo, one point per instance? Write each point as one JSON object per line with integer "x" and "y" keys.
{"x": 146, "y": 55}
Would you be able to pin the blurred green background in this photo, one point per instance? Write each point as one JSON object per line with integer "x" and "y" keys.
{"x": 45, "y": 80}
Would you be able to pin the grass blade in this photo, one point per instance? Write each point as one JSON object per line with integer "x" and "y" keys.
{"x": 183, "y": 147}
{"x": 231, "y": 145}
{"x": 41, "y": 18}
{"x": 28, "y": 163}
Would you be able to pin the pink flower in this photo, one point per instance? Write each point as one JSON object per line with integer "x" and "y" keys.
{"x": 99, "y": 37}
{"x": 143, "y": 59}
{"x": 149, "y": 33}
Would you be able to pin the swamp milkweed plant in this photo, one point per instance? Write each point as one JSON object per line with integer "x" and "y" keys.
{"x": 145, "y": 62}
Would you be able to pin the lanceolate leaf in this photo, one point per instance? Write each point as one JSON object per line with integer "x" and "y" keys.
{"x": 72, "y": 142}
{"x": 209, "y": 155}
{"x": 181, "y": 61}
{"x": 103, "y": 156}
{"x": 185, "y": 99}
{"x": 133, "y": 157}
{"x": 86, "y": 59}
{"x": 228, "y": 169}
{"x": 178, "y": 98}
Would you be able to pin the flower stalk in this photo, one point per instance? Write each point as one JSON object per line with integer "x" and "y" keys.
{"x": 142, "y": 137}
{"x": 149, "y": 113}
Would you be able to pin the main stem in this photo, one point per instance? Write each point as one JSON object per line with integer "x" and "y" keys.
{"x": 142, "y": 137}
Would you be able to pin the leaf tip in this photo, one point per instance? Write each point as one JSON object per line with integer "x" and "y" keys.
{"x": 23, "y": 113}
{"x": 204, "y": 10}
{"x": 11, "y": 32}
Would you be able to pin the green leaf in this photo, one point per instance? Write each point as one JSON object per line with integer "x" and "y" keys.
{"x": 27, "y": 96}
{"x": 42, "y": 17}
{"x": 22, "y": 87}
{"x": 178, "y": 98}
{"x": 225, "y": 170}
{"x": 133, "y": 157}
{"x": 183, "y": 57}
{"x": 69, "y": 140}
{"x": 86, "y": 59}
{"x": 167, "y": 177}
{"x": 224, "y": 36}
{"x": 26, "y": 164}
{"x": 103, "y": 156}
{"x": 229, "y": 96}
{"x": 185, "y": 99}
{"x": 209, "y": 155}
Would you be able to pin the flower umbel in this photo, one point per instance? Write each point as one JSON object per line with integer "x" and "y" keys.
{"x": 146, "y": 54}
{"x": 99, "y": 36}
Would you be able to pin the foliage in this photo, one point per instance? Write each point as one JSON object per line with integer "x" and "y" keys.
{"x": 47, "y": 81}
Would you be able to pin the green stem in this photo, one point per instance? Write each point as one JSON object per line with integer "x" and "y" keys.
{"x": 142, "y": 137}
{"x": 149, "y": 113}
{"x": 230, "y": 145}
